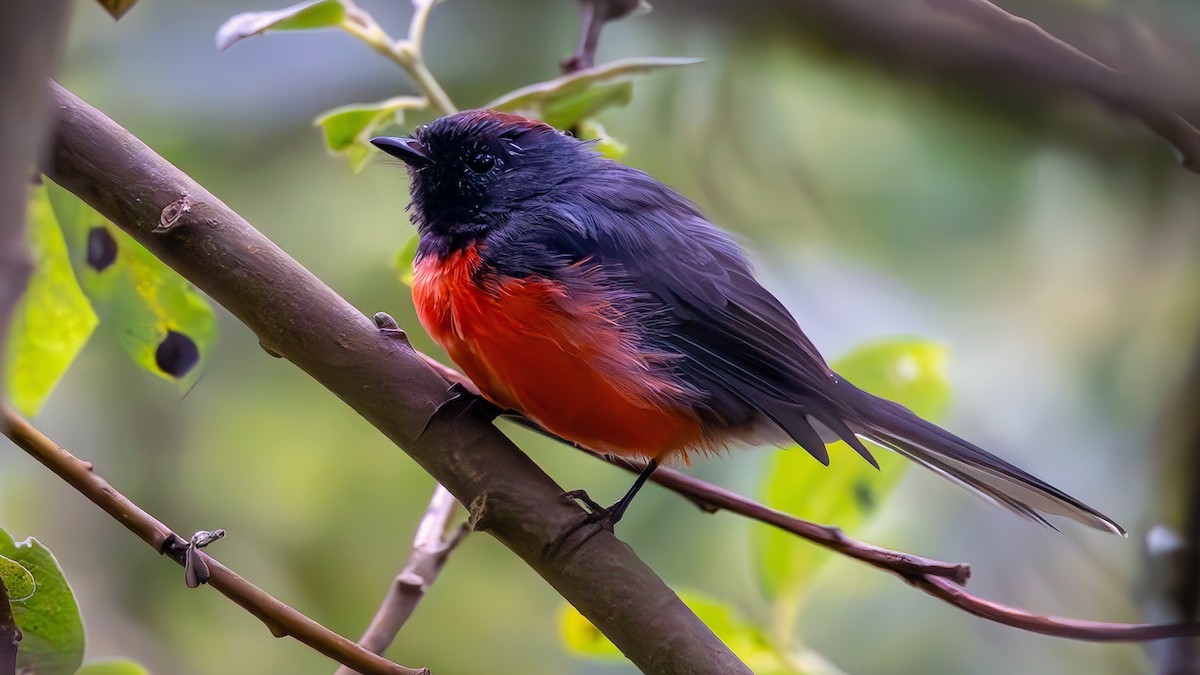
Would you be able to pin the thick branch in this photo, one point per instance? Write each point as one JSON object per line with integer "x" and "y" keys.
{"x": 30, "y": 37}
{"x": 281, "y": 619}
{"x": 432, "y": 546}
{"x": 382, "y": 378}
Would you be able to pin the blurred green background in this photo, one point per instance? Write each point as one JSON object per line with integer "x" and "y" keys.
{"x": 1049, "y": 244}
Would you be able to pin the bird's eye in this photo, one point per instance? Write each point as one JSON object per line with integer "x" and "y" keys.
{"x": 481, "y": 162}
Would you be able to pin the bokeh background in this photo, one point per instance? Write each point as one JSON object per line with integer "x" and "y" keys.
{"x": 1048, "y": 242}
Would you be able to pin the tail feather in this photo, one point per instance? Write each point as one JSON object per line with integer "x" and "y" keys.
{"x": 899, "y": 429}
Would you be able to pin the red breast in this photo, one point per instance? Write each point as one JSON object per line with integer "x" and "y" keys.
{"x": 555, "y": 354}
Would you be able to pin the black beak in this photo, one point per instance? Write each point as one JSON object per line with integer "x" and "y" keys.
{"x": 410, "y": 150}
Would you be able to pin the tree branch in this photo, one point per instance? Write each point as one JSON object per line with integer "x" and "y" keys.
{"x": 1073, "y": 67}
{"x": 379, "y": 375}
{"x": 432, "y": 546}
{"x": 942, "y": 580}
{"x": 980, "y": 44}
{"x": 279, "y": 618}
{"x": 30, "y": 38}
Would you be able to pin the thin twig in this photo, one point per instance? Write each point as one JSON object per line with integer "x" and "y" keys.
{"x": 406, "y": 52}
{"x": 1072, "y": 66}
{"x": 432, "y": 546}
{"x": 10, "y": 635}
{"x": 281, "y": 619}
{"x": 942, "y": 580}
{"x": 710, "y": 498}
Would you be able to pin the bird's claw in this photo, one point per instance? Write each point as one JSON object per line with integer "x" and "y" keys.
{"x": 464, "y": 399}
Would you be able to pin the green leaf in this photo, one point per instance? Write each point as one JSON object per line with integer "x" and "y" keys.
{"x": 53, "y": 321}
{"x": 160, "y": 319}
{"x": 404, "y": 260}
{"x": 349, "y": 128}
{"x": 564, "y": 101}
{"x": 18, "y": 581}
{"x": 908, "y": 371}
{"x": 112, "y": 667}
{"x": 49, "y": 619}
{"x": 591, "y": 130}
{"x": 302, "y": 16}
{"x": 117, "y": 7}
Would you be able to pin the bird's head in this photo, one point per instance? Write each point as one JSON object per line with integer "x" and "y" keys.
{"x": 473, "y": 170}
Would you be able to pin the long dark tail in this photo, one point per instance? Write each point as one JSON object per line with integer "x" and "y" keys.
{"x": 897, "y": 428}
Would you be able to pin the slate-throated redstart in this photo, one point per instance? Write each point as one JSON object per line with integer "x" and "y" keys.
{"x": 603, "y": 305}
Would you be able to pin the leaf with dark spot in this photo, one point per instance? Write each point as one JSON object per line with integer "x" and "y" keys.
{"x": 160, "y": 320}
{"x": 101, "y": 248}
{"x": 177, "y": 354}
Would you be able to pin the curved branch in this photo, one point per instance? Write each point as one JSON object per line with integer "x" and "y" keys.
{"x": 942, "y": 580}
{"x": 281, "y": 619}
{"x": 379, "y": 375}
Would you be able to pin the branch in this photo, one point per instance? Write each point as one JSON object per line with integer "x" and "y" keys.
{"x": 10, "y": 635}
{"x": 379, "y": 375}
{"x": 977, "y": 43}
{"x": 432, "y": 546}
{"x": 942, "y": 580}
{"x": 710, "y": 498}
{"x": 279, "y": 618}
{"x": 1072, "y": 66}
{"x": 30, "y": 38}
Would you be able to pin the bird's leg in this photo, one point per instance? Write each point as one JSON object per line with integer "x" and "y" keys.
{"x": 611, "y": 515}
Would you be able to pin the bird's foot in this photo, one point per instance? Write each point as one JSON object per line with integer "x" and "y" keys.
{"x": 606, "y": 516}
{"x": 460, "y": 402}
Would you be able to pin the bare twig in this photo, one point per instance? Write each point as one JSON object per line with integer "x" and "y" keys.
{"x": 30, "y": 37}
{"x": 1074, "y": 67}
{"x": 280, "y": 619}
{"x": 407, "y": 52}
{"x": 10, "y": 635}
{"x": 432, "y": 545}
{"x": 378, "y": 373}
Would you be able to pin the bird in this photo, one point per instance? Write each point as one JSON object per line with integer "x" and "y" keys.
{"x": 601, "y": 304}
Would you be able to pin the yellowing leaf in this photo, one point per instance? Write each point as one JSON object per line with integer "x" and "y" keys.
{"x": 160, "y": 319}
{"x": 53, "y": 321}
{"x": 302, "y": 16}
{"x": 845, "y": 494}
{"x": 584, "y": 640}
{"x": 49, "y": 618}
{"x": 349, "y": 128}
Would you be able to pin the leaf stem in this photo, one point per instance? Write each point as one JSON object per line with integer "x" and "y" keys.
{"x": 407, "y": 52}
